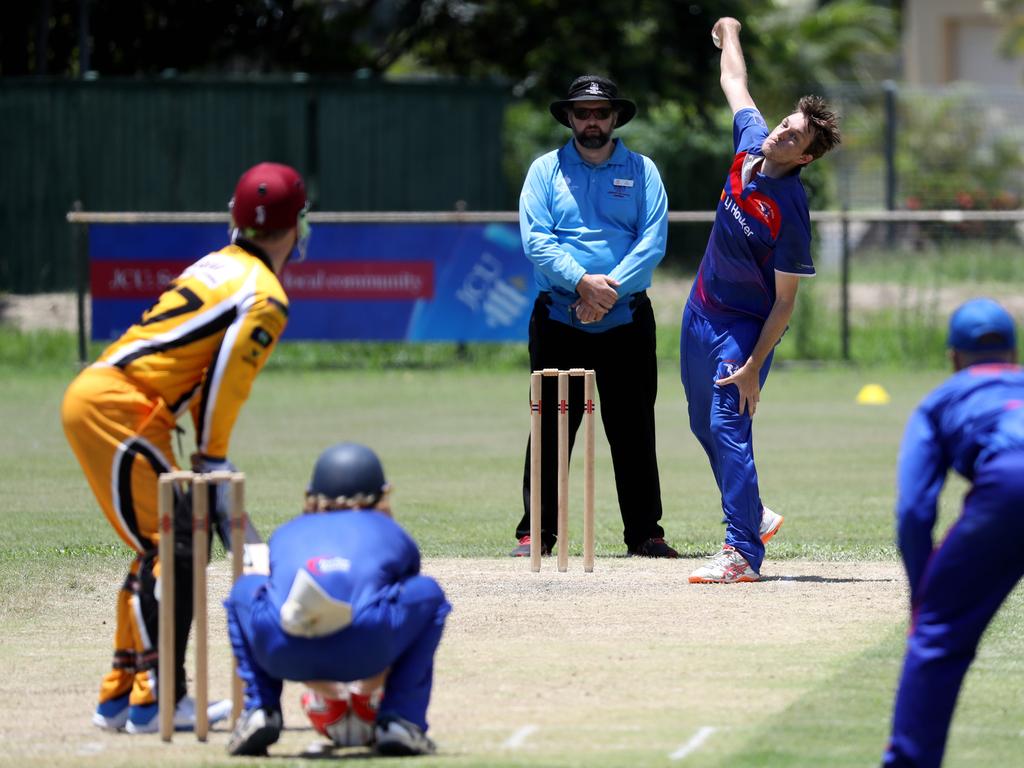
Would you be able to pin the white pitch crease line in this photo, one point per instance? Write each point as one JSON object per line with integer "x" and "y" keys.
{"x": 702, "y": 735}
{"x": 516, "y": 739}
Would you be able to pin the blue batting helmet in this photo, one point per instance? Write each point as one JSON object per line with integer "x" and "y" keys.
{"x": 346, "y": 476}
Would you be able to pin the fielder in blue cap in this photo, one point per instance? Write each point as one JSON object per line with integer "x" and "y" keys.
{"x": 974, "y": 424}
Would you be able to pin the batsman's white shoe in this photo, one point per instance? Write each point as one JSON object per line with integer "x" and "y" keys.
{"x": 770, "y": 524}
{"x": 396, "y": 736}
{"x": 256, "y": 730}
{"x": 727, "y": 567}
{"x": 144, "y": 719}
{"x": 111, "y": 715}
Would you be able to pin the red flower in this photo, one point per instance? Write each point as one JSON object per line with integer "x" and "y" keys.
{"x": 964, "y": 200}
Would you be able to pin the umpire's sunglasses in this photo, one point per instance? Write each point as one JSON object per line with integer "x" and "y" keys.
{"x": 600, "y": 113}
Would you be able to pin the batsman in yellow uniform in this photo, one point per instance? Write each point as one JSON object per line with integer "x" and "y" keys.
{"x": 196, "y": 350}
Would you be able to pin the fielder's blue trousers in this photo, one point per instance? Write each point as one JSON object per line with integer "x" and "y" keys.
{"x": 968, "y": 577}
{"x": 400, "y": 631}
{"x": 708, "y": 351}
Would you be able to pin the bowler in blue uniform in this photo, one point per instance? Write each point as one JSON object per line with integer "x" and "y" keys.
{"x": 344, "y": 601}
{"x": 743, "y": 297}
{"x": 972, "y": 424}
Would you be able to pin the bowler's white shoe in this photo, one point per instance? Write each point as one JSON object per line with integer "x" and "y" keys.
{"x": 727, "y": 567}
{"x": 770, "y": 524}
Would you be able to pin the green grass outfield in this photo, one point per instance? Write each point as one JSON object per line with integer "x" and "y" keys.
{"x": 453, "y": 442}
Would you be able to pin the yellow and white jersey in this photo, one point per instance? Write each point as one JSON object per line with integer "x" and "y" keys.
{"x": 202, "y": 343}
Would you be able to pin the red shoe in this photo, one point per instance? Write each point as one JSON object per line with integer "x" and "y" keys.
{"x": 523, "y": 548}
{"x": 323, "y": 712}
{"x": 347, "y": 722}
{"x": 364, "y": 707}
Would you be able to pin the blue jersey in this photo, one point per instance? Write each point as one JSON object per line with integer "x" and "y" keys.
{"x": 762, "y": 225}
{"x": 976, "y": 414}
{"x": 577, "y": 219}
{"x": 353, "y": 555}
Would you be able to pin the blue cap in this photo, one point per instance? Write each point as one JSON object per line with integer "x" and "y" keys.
{"x": 982, "y": 325}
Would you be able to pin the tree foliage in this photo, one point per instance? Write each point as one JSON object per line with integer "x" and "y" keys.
{"x": 146, "y": 37}
{"x": 1011, "y": 14}
{"x": 655, "y": 49}
{"x": 659, "y": 51}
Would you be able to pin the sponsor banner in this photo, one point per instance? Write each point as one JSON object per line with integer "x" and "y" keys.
{"x": 411, "y": 282}
{"x": 131, "y": 279}
{"x": 335, "y": 281}
{"x": 331, "y": 281}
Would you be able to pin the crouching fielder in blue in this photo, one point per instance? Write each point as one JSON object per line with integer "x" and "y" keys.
{"x": 344, "y": 601}
{"x": 973, "y": 424}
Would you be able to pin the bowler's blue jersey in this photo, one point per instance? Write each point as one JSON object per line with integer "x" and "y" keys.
{"x": 762, "y": 225}
{"x": 353, "y": 555}
{"x": 976, "y": 414}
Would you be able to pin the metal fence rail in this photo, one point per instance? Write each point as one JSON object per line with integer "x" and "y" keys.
{"x": 456, "y": 217}
{"x": 892, "y": 247}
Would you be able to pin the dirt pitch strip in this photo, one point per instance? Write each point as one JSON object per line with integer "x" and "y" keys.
{"x": 613, "y": 667}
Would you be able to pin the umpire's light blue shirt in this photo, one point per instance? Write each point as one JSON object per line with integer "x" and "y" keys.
{"x": 609, "y": 219}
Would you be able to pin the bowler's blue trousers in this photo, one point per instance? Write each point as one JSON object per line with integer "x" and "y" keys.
{"x": 400, "y": 631}
{"x": 966, "y": 581}
{"x": 711, "y": 350}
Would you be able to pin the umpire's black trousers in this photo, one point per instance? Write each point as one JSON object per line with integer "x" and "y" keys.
{"x": 625, "y": 363}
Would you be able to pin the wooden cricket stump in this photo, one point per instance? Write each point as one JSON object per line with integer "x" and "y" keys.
{"x": 200, "y": 483}
{"x": 536, "y": 411}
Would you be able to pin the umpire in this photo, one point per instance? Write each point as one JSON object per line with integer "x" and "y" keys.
{"x": 594, "y": 219}
{"x": 973, "y": 424}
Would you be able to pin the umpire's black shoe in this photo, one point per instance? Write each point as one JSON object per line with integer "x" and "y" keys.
{"x": 256, "y": 730}
{"x": 523, "y": 548}
{"x": 652, "y": 548}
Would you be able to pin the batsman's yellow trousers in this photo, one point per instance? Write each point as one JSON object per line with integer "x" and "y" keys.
{"x": 121, "y": 436}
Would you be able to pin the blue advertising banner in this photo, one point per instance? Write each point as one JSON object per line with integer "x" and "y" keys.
{"x": 386, "y": 282}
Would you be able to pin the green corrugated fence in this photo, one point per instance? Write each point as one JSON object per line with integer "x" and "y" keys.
{"x": 180, "y": 145}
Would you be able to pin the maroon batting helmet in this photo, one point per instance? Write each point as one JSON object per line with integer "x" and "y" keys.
{"x": 268, "y": 197}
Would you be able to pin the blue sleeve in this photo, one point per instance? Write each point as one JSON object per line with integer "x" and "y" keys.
{"x": 793, "y": 246}
{"x": 537, "y": 224}
{"x": 406, "y": 562}
{"x": 636, "y": 269}
{"x": 921, "y": 474}
{"x": 749, "y": 130}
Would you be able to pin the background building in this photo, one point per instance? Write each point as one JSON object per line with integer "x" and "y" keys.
{"x": 947, "y": 41}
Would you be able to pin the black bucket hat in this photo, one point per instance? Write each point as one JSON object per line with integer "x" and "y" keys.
{"x": 594, "y": 88}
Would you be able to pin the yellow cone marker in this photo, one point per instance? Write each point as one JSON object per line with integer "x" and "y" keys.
{"x": 873, "y": 394}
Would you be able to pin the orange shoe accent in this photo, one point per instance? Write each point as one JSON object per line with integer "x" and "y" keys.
{"x": 770, "y": 533}
{"x": 701, "y": 580}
